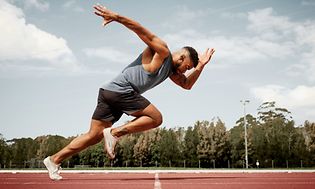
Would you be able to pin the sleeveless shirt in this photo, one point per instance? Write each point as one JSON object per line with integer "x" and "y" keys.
{"x": 135, "y": 78}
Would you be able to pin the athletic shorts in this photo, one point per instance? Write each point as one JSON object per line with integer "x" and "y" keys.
{"x": 111, "y": 105}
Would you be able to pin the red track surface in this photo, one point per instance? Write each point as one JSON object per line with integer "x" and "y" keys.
{"x": 160, "y": 181}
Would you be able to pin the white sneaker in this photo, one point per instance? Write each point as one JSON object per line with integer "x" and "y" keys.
{"x": 110, "y": 142}
{"x": 52, "y": 168}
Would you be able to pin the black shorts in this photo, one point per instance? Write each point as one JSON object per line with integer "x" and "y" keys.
{"x": 111, "y": 105}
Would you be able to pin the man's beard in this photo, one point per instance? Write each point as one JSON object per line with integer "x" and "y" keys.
{"x": 175, "y": 67}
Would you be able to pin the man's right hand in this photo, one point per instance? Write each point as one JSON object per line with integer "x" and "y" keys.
{"x": 105, "y": 13}
{"x": 159, "y": 48}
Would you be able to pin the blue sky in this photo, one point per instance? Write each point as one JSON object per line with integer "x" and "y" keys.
{"x": 54, "y": 55}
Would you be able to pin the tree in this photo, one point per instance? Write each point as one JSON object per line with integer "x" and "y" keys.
{"x": 93, "y": 155}
{"x": 258, "y": 140}
{"x": 269, "y": 112}
{"x": 180, "y": 133}
{"x": 147, "y": 148}
{"x": 125, "y": 149}
{"x": 203, "y": 147}
{"x": 23, "y": 150}
{"x": 191, "y": 141}
{"x": 141, "y": 149}
{"x": 213, "y": 142}
{"x": 237, "y": 141}
{"x": 169, "y": 147}
{"x": 237, "y": 146}
{"x": 220, "y": 142}
{"x": 309, "y": 137}
{"x": 298, "y": 147}
{"x": 50, "y": 144}
{"x": 4, "y": 152}
{"x": 279, "y": 131}
{"x": 154, "y": 147}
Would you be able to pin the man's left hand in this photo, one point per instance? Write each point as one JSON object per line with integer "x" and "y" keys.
{"x": 205, "y": 57}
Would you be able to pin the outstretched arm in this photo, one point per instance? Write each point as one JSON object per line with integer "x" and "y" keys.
{"x": 187, "y": 82}
{"x": 153, "y": 42}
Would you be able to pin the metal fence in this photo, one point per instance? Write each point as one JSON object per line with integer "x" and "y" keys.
{"x": 210, "y": 164}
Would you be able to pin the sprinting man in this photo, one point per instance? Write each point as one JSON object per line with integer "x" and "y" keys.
{"x": 123, "y": 94}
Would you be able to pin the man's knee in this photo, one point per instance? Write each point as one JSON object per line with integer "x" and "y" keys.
{"x": 156, "y": 116}
{"x": 158, "y": 119}
{"x": 152, "y": 112}
{"x": 95, "y": 137}
{"x": 95, "y": 133}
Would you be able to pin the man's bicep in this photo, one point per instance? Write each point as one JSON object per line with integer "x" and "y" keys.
{"x": 155, "y": 63}
{"x": 159, "y": 46}
{"x": 155, "y": 43}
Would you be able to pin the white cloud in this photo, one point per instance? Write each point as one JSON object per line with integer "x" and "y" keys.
{"x": 306, "y": 40}
{"x": 308, "y": 3}
{"x": 182, "y": 16}
{"x": 300, "y": 96}
{"x": 38, "y": 4}
{"x": 72, "y": 5}
{"x": 295, "y": 43}
{"x": 268, "y": 25}
{"x": 231, "y": 50}
{"x": 309, "y": 58}
{"x": 269, "y": 38}
{"x": 233, "y": 16}
{"x": 68, "y": 4}
{"x": 108, "y": 53}
{"x": 299, "y": 100}
{"x": 25, "y": 41}
{"x": 295, "y": 39}
{"x": 240, "y": 49}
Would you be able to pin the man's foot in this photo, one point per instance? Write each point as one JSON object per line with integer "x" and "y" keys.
{"x": 110, "y": 142}
{"x": 53, "y": 169}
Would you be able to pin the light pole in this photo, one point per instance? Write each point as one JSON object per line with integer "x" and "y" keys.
{"x": 244, "y": 102}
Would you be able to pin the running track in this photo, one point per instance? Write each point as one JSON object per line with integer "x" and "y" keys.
{"x": 159, "y": 180}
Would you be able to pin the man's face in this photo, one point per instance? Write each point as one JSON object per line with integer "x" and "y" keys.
{"x": 184, "y": 63}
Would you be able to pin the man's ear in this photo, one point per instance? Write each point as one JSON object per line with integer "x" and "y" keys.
{"x": 182, "y": 58}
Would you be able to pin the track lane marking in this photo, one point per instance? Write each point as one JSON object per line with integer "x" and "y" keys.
{"x": 157, "y": 183}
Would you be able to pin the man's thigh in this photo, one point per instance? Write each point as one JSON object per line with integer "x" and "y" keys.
{"x": 150, "y": 111}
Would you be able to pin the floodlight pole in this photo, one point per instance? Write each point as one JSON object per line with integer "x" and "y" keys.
{"x": 245, "y": 129}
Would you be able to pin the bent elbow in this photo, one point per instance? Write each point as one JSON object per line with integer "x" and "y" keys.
{"x": 160, "y": 47}
{"x": 187, "y": 87}
{"x": 163, "y": 51}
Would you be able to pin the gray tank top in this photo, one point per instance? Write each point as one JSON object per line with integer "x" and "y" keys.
{"x": 135, "y": 78}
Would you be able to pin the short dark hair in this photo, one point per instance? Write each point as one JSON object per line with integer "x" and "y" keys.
{"x": 193, "y": 55}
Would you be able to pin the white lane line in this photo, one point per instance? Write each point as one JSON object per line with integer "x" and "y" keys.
{"x": 157, "y": 184}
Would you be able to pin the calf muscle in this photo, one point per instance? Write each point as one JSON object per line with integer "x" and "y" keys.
{"x": 93, "y": 136}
